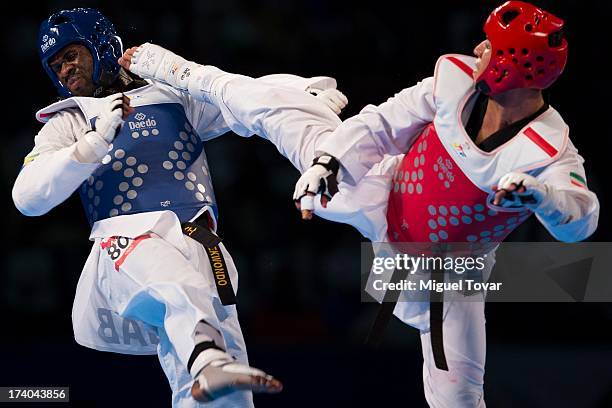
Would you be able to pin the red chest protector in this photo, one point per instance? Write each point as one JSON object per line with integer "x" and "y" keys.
{"x": 432, "y": 200}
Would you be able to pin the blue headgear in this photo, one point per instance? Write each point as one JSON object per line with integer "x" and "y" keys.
{"x": 84, "y": 26}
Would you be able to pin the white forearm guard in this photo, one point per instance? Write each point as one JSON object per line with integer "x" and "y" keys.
{"x": 91, "y": 148}
{"x": 154, "y": 62}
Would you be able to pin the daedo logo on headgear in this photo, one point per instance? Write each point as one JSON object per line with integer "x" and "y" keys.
{"x": 47, "y": 43}
{"x": 142, "y": 122}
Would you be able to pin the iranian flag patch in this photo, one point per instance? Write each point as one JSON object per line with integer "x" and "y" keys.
{"x": 577, "y": 180}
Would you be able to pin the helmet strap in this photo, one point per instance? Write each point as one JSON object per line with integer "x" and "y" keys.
{"x": 125, "y": 81}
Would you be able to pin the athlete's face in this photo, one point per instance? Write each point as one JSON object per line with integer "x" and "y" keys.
{"x": 483, "y": 56}
{"x": 73, "y": 66}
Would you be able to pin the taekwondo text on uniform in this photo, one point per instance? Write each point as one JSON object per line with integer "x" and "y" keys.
{"x": 412, "y": 264}
{"x": 218, "y": 266}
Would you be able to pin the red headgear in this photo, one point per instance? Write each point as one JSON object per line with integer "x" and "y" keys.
{"x": 528, "y": 49}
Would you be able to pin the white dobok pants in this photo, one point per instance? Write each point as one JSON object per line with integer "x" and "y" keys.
{"x": 463, "y": 331}
{"x": 159, "y": 285}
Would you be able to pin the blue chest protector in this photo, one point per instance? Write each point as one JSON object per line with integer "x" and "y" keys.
{"x": 157, "y": 162}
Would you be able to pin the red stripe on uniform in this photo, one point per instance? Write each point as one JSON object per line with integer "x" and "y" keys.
{"x": 129, "y": 249}
{"x": 464, "y": 67}
{"x": 577, "y": 184}
{"x": 539, "y": 140}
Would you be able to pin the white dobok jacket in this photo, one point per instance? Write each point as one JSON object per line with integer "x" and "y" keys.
{"x": 155, "y": 174}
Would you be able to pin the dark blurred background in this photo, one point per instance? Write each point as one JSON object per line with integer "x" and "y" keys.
{"x": 299, "y": 297}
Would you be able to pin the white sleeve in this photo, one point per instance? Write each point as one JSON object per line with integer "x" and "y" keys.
{"x": 51, "y": 173}
{"x": 209, "y": 121}
{"x": 293, "y": 120}
{"x": 390, "y": 128}
{"x": 364, "y": 205}
{"x": 572, "y": 197}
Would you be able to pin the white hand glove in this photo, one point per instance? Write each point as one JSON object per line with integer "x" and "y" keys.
{"x": 111, "y": 117}
{"x": 155, "y": 62}
{"x": 523, "y": 190}
{"x": 331, "y": 97}
{"x": 93, "y": 146}
{"x": 321, "y": 177}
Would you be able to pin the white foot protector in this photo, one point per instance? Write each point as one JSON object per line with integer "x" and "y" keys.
{"x": 224, "y": 376}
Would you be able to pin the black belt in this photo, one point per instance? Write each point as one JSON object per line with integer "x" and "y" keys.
{"x": 200, "y": 231}
{"x": 385, "y": 310}
{"x": 436, "y": 317}
{"x": 436, "y": 322}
